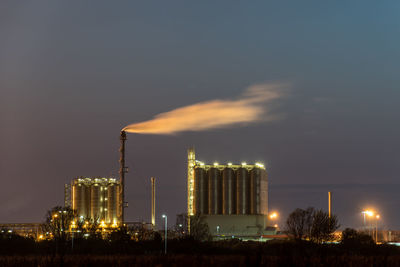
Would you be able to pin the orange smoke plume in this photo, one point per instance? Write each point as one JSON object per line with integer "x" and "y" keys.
{"x": 250, "y": 107}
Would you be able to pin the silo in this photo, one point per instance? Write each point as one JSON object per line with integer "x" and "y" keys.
{"x": 201, "y": 191}
{"x": 228, "y": 191}
{"x": 111, "y": 194}
{"x": 214, "y": 191}
{"x": 263, "y": 192}
{"x": 95, "y": 205}
{"x": 255, "y": 177}
{"x": 242, "y": 191}
{"x": 80, "y": 199}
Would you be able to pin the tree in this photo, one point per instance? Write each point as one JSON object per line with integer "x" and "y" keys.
{"x": 323, "y": 227}
{"x": 58, "y": 222}
{"x": 316, "y": 225}
{"x": 352, "y": 238}
{"x": 87, "y": 228}
{"x": 298, "y": 224}
{"x": 199, "y": 229}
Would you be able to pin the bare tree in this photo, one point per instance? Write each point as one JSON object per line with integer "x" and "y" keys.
{"x": 323, "y": 227}
{"x": 298, "y": 224}
{"x": 58, "y": 222}
{"x": 315, "y": 225}
{"x": 199, "y": 229}
{"x": 87, "y": 228}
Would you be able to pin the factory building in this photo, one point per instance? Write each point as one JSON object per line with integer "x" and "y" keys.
{"x": 97, "y": 198}
{"x": 233, "y": 198}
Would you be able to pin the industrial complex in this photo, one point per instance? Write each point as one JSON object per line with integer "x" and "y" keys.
{"x": 232, "y": 198}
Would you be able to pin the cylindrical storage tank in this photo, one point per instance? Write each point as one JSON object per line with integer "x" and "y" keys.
{"x": 214, "y": 191}
{"x": 255, "y": 177}
{"x": 242, "y": 191}
{"x": 80, "y": 199}
{"x": 228, "y": 191}
{"x": 200, "y": 191}
{"x": 111, "y": 194}
{"x": 95, "y": 205}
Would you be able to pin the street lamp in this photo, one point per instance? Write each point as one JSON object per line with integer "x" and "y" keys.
{"x": 376, "y": 229}
{"x": 368, "y": 213}
{"x": 165, "y": 229}
{"x": 273, "y": 217}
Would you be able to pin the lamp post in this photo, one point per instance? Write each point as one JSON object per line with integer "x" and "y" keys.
{"x": 273, "y": 217}
{"x": 376, "y": 229}
{"x": 165, "y": 236}
{"x": 369, "y": 213}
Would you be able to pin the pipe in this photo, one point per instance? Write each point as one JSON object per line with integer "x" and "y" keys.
{"x": 122, "y": 170}
{"x": 153, "y": 202}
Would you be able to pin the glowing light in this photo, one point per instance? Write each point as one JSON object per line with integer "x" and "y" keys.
{"x": 369, "y": 213}
{"x": 378, "y": 216}
{"x": 259, "y": 165}
{"x": 229, "y": 163}
{"x": 273, "y": 215}
{"x": 244, "y": 163}
{"x": 215, "y": 163}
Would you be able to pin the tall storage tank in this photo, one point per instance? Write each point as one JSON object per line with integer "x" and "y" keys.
{"x": 242, "y": 191}
{"x": 214, "y": 191}
{"x": 111, "y": 213}
{"x": 228, "y": 191}
{"x": 95, "y": 204}
{"x": 80, "y": 199}
{"x": 255, "y": 178}
{"x": 201, "y": 191}
{"x": 263, "y": 192}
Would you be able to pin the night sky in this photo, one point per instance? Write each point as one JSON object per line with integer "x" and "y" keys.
{"x": 74, "y": 73}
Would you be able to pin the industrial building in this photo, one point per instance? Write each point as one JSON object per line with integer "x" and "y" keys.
{"x": 233, "y": 198}
{"x": 97, "y": 198}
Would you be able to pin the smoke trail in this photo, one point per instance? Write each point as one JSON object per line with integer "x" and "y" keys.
{"x": 250, "y": 107}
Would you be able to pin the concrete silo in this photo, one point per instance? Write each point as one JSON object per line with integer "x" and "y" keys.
{"x": 233, "y": 198}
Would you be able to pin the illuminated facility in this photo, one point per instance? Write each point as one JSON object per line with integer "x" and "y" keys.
{"x": 232, "y": 197}
{"x": 97, "y": 198}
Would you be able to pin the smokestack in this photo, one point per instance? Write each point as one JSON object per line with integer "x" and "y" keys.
{"x": 330, "y": 204}
{"x": 153, "y": 202}
{"x": 122, "y": 170}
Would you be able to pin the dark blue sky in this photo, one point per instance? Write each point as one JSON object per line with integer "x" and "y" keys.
{"x": 73, "y": 73}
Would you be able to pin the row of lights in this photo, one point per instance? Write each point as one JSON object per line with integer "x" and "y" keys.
{"x": 260, "y": 165}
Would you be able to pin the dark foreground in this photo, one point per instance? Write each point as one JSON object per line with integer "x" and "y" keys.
{"x": 18, "y": 251}
{"x": 198, "y": 260}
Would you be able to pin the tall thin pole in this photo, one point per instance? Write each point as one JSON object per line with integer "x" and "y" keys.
{"x": 122, "y": 170}
{"x": 165, "y": 233}
{"x": 153, "y": 202}
{"x": 330, "y": 204}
